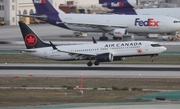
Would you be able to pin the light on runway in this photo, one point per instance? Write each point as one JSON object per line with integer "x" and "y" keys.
{"x": 139, "y": 74}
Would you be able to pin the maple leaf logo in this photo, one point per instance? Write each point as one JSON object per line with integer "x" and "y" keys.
{"x": 139, "y": 50}
{"x": 30, "y": 39}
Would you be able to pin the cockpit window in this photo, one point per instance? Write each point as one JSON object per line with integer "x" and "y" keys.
{"x": 176, "y": 21}
{"x": 155, "y": 45}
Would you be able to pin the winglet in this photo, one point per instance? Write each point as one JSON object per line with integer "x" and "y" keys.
{"x": 94, "y": 41}
{"x": 53, "y": 46}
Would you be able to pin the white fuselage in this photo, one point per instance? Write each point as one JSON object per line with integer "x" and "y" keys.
{"x": 134, "y": 23}
{"x": 119, "y": 49}
{"x": 172, "y": 12}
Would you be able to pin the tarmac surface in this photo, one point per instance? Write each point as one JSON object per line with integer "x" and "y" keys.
{"x": 151, "y": 105}
{"x": 103, "y": 71}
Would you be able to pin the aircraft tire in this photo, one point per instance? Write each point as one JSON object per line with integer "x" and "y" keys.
{"x": 103, "y": 38}
{"x": 89, "y": 64}
{"x": 96, "y": 63}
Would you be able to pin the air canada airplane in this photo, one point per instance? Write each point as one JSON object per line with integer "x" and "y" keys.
{"x": 116, "y": 25}
{"x": 100, "y": 52}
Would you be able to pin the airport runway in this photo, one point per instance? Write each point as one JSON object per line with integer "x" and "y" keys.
{"x": 104, "y": 70}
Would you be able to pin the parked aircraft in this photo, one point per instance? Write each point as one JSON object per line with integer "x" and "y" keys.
{"x": 116, "y": 25}
{"x": 128, "y": 7}
{"x": 100, "y": 52}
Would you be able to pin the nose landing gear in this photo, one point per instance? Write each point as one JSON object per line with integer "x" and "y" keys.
{"x": 152, "y": 57}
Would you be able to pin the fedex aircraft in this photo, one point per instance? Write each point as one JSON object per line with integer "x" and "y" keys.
{"x": 100, "y": 52}
{"x": 129, "y": 5}
{"x": 116, "y": 25}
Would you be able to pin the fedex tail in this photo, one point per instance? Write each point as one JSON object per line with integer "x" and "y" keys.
{"x": 120, "y": 6}
{"x": 44, "y": 6}
{"x": 128, "y": 7}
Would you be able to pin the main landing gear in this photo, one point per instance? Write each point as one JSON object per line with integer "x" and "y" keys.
{"x": 117, "y": 38}
{"x": 89, "y": 64}
{"x": 103, "y": 38}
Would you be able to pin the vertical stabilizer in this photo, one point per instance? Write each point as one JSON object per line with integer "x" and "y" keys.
{"x": 45, "y": 7}
{"x": 30, "y": 38}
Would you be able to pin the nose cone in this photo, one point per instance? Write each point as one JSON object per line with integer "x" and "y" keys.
{"x": 164, "y": 49}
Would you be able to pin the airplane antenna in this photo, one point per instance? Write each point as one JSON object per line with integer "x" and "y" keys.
{"x": 53, "y": 46}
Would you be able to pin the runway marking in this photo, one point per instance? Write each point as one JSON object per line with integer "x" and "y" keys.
{"x": 89, "y": 68}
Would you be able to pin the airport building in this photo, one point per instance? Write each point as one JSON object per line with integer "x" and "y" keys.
{"x": 9, "y": 9}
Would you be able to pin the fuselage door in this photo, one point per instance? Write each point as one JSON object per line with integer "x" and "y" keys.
{"x": 163, "y": 24}
{"x": 45, "y": 54}
{"x": 147, "y": 47}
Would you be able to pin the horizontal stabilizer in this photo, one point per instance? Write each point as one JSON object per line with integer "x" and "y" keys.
{"x": 27, "y": 50}
{"x": 43, "y": 17}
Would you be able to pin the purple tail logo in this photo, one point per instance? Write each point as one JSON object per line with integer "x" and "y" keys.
{"x": 149, "y": 22}
{"x": 39, "y": 1}
{"x": 118, "y": 4}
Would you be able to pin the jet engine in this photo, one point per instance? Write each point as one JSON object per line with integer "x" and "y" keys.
{"x": 121, "y": 4}
{"x": 106, "y": 57}
{"x": 119, "y": 32}
{"x": 167, "y": 38}
{"x": 119, "y": 58}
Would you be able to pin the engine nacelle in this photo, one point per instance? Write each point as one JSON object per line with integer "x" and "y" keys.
{"x": 167, "y": 38}
{"x": 119, "y": 32}
{"x": 119, "y": 4}
{"x": 119, "y": 58}
{"x": 106, "y": 57}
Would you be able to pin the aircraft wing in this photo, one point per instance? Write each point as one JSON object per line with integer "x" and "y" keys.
{"x": 94, "y": 25}
{"x": 79, "y": 55}
{"x": 75, "y": 54}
